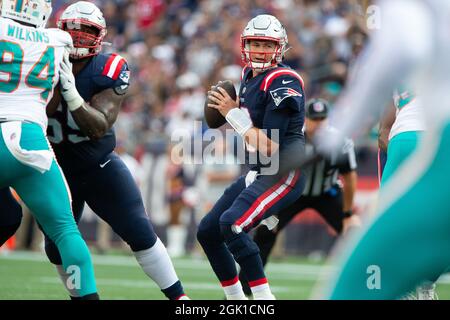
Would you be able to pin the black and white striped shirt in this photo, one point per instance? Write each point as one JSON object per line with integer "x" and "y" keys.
{"x": 323, "y": 175}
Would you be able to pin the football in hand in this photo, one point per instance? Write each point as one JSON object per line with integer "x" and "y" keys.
{"x": 213, "y": 117}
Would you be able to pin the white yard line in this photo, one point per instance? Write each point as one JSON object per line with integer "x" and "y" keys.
{"x": 194, "y": 264}
{"x": 139, "y": 284}
{"x": 293, "y": 271}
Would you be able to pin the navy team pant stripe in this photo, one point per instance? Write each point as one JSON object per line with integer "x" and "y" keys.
{"x": 268, "y": 199}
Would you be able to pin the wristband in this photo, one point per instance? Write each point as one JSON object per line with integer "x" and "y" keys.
{"x": 75, "y": 103}
{"x": 239, "y": 120}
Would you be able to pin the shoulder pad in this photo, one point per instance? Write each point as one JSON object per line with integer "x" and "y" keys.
{"x": 279, "y": 72}
{"x": 113, "y": 66}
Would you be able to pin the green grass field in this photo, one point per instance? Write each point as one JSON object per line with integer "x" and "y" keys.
{"x": 27, "y": 275}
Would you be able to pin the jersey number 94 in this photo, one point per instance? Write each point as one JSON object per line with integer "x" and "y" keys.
{"x": 12, "y": 57}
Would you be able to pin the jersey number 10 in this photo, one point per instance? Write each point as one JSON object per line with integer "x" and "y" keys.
{"x": 11, "y": 60}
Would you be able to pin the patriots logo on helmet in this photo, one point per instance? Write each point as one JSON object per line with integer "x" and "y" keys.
{"x": 278, "y": 95}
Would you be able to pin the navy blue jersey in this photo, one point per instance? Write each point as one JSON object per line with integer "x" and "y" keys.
{"x": 74, "y": 150}
{"x": 274, "y": 99}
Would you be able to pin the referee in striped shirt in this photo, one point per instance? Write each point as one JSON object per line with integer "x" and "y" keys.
{"x": 324, "y": 191}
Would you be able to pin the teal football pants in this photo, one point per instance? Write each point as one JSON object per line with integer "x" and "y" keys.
{"x": 408, "y": 240}
{"x": 400, "y": 147}
{"x": 48, "y": 197}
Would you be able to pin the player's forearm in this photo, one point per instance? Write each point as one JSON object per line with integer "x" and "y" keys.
{"x": 54, "y": 102}
{"x": 383, "y": 139}
{"x": 350, "y": 180}
{"x": 97, "y": 117}
{"x": 91, "y": 122}
{"x": 242, "y": 124}
{"x": 260, "y": 141}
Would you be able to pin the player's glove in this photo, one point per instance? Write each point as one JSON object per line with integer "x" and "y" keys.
{"x": 67, "y": 83}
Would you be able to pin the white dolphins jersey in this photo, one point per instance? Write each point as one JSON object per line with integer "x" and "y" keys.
{"x": 29, "y": 69}
{"x": 409, "y": 113}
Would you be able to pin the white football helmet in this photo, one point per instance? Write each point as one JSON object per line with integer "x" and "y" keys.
{"x": 264, "y": 27}
{"x": 85, "y": 23}
{"x": 34, "y": 12}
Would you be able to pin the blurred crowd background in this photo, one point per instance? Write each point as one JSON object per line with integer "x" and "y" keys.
{"x": 176, "y": 50}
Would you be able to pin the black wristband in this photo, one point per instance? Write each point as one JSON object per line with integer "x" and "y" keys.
{"x": 348, "y": 213}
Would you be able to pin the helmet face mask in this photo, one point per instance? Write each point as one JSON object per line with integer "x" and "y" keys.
{"x": 32, "y": 12}
{"x": 87, "y": 27}
{"x": 259, "y": 56}
{"x": 263, "y": 28}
